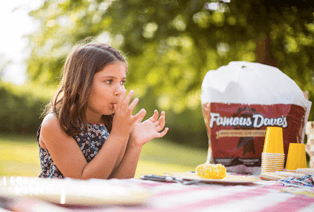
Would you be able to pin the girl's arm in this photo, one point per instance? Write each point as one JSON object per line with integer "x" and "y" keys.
{"x": 127, "y": 167}
{"x": 68, "y": 156}
{"x": 141, "y": 134}
{"x": 121, "y": 155}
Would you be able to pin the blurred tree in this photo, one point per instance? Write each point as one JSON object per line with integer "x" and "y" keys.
{"x": 171, "y": 44}
{"x": 3, "y": 64}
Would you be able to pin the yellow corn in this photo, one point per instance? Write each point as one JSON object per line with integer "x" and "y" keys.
{"x": 211, "y": 171}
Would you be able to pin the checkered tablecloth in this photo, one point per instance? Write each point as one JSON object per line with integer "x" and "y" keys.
{"x": 258, "y": 196}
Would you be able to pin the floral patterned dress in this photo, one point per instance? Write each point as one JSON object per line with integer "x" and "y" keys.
{"x": 89, "y": 143}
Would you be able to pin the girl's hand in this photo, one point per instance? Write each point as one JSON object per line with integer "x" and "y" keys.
{"x": 149, "y": 129}
{"x": 123, "y": 121}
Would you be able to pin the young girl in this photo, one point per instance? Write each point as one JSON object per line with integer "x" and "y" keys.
{"x": 89, "y": 130}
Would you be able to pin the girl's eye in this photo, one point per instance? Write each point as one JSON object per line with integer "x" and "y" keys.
{"x": 108, "y": 81}
{"x": 111, "y": 81}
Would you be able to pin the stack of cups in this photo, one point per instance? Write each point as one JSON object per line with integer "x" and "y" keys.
{"x": 273, "y": 156}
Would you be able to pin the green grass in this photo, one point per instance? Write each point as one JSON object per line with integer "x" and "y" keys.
{"x": 19, "y": 157}
{"x": 159, "y": 157}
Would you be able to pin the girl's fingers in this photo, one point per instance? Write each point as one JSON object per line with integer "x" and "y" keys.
{"x": 160, "y": 124}
{"x": 154, "y": 118}
{"x": 156, "y": 115}
{"x": 123, "y": 103}
{"x": 140, "y": 116}
{"x": 121, "y": 98}
{"x": 128, "y": 98}
{"x": 163, "y": 133}
{"x": 162, "y": 120}
{"x": 133, "y": 104}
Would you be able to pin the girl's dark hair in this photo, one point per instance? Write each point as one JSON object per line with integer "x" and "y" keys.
{"x": 70, "y": 101}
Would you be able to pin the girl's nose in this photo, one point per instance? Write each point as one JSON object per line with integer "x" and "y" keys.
{"x": 119, "y": 89}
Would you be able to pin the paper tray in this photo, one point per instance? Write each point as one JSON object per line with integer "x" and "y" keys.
{"x": 229, "y": 179}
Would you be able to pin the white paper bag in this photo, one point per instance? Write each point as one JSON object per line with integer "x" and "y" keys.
{"x": 239, "y": 101}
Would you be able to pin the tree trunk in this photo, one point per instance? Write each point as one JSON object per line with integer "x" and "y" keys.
{"x": 262, "y": 52}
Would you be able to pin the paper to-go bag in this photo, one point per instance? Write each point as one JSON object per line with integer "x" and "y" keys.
{"x": 239, "y": 101}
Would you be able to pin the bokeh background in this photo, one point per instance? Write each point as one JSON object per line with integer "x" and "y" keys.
{"x": 169, "y": 44}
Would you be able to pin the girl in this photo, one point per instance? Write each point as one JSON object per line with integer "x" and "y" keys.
{"x": 89, "y": 130}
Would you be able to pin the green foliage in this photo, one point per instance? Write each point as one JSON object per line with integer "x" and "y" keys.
{"x": 171, "y": 44}
{"x": 21, "y": 107}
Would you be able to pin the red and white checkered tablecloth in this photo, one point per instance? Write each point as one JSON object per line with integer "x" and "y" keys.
{"x": 260, "y": 196}
{"x": 256, "y": 197}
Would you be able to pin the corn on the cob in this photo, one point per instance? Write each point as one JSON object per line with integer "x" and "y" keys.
{"x": 211, "y": 171}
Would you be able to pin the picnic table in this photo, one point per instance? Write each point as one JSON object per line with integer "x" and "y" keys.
{"x": 260, "y": 195}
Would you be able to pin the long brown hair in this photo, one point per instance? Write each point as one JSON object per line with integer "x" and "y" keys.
{"x": 70, "y": 101}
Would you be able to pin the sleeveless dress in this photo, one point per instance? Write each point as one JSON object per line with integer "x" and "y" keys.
{"x": 89, "y": 143}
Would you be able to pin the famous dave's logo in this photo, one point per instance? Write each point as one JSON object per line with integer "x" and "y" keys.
{"x": 247, "y": 124}
{"x": 247, "y": 118}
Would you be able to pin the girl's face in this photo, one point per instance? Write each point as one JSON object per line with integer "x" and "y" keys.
{"x": 108, "y": 84}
